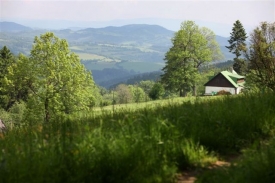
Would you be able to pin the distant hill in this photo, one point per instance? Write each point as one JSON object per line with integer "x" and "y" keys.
{"x": 136, "y": 34}
{"x": 13, "y": 27}
{"x": 111, "y": 77}
{"x": 113, "y": 54}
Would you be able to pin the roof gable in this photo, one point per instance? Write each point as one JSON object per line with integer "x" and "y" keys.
{"x": 225, "y": 79}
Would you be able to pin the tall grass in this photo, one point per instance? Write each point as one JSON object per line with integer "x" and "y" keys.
{"x": 257, "y": 165}
{"x": 135, "y": 145}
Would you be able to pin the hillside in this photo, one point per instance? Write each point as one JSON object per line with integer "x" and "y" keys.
{"x": 12, "y": 27}
{"x": 127, "y": 35}
{"x": 131, "y": 49}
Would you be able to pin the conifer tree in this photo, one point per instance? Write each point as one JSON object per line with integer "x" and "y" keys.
{"x": 6, "y": 59}
{"x": 15, "y": 84}
{"x": 237, "y": 44}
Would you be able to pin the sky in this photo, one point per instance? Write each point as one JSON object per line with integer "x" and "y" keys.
{"x": 217, "y": 15}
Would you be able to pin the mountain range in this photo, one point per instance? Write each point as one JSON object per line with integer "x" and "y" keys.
{"x": 126, "y": 50}
{"x": 13, "y": 27}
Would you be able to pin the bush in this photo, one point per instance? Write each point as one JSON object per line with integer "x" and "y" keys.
{"x": 223, "y": 92}
{"x": 156, "y": 92}
{"x": 14, "y": 116}
{"x": 105, "y": 103}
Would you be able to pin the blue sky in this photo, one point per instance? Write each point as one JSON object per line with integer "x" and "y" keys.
{"x": 217, "y": 15}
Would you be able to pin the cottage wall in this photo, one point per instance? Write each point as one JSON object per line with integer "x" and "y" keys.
{"x": 224, "y": 81}
{"x": 210, "y": 89}
{"x": 239, "y": 89}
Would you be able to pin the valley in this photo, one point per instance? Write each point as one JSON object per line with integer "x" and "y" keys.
{"x": 130, "y": 49}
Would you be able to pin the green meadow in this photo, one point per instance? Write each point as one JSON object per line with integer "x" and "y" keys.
{"x": 146, "y": 142}
{"x": 134, "y": 66}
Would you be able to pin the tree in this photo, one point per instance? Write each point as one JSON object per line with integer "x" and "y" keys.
{"x": 192, "y": 48}
{"x": 124, "y": 94}
{"x": 6, "y": 59}
{"x": 146, "y": 86}
{"x": 261, "y": 56}
{"x": 137, "y": 93}
{"x": 157, "y": 91}
{"x": 5, "y": 54}
{"x": 17, "y": 81}
{"x": 61, "y": 84}
{"x": 237, "y": 44}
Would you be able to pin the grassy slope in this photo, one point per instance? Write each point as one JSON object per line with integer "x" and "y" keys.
{"x": 146, "y": 144}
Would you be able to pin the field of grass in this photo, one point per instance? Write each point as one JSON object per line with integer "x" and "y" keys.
{"x": 98, "y": 65}
{"x": 89, "y": 56}
{"x": 148, "y": 105}
{"x": 142, "y": 66}
{"x": 143, "y": 143}
{"x": 135, "y": 66}
{"x": 76, "y": 48}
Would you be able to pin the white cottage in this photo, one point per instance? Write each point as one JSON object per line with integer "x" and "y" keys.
{"x": 225, "y": 80}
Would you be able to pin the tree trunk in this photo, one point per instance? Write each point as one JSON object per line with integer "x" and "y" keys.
{"x": 47, "y": 113}
{"x": 185, "y": 93}
{"x": 181, "y": 93}
{"x": 194, "y": 90}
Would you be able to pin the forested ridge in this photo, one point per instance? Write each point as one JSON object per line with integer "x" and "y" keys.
{"x": 131, "y": 49}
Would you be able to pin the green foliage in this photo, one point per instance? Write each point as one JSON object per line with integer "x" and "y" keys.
{"x": 108, "y": 98}
{"x": 224, "y": 65}
{"x": 237, "y": 39}
{"x": 205, "y": 74}
{"x": 14, "y": 116}
{"x": 34, "y": 112}
{"x": 17, "y": 111}
{"x": 146, "y": 86}
{"x": 144, "y": 145}
{"x": 137, "y": 93}
{"x": 6, "y": 59}
{"x": 261, "y": 55}
{"x": 124, "y": 94}
{"x": 17, "y": 81}
{"x": 141, "y": 53}
{"x": 141, "y": 145}
{"x": 237, "y": 45}
{"x": 240, "y": 66}
{"x": 157, "y": 91}
{"x": 151, "y": 76}
{"x": 61, "y": 83}
{"x": 192, "y": 48}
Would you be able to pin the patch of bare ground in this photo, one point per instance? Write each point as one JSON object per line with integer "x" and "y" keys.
{"x": 189, "y": 176}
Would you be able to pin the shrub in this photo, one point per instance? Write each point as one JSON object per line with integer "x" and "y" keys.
{"x": 157, "y": 91}
{"x": 14, "y": 116}
{"x": 223, "y": 92}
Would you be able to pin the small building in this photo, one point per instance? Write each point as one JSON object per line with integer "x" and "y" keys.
{"x": 225, "y": 80}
